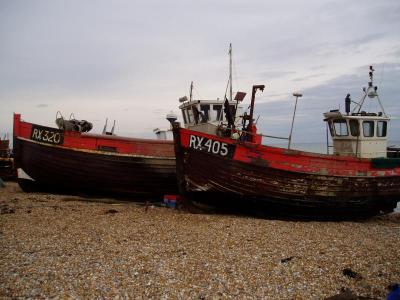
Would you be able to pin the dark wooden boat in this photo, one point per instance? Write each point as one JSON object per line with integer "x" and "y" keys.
{"x": 7, "y": 170}
{"x": 73, "y": 161}
{"x": 225, "y": 166}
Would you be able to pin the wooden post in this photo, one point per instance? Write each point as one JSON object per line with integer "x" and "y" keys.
{"x": 179, "y": 162}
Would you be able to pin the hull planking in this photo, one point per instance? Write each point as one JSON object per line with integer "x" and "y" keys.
{"x": 223, "y": 171}
{"x": 74, "y": 162}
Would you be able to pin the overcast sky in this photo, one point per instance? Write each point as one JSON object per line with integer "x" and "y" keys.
{"x": 132, "y": 60}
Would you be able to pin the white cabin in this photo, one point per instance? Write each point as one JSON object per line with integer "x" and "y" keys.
{"x": 163, "y": 134}
{"x": 359, "y": 136}
{"x": 206, "y": 115}
{"x": 359, "y": 133}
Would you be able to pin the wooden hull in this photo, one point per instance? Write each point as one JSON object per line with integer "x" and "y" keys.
{"x": 280, "y": 180}
{"x": 130, "y": 166}
{"x": 7, "y": 170}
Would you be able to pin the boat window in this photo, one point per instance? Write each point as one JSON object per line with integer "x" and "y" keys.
{"x": 189, "y": 115}
{"x": 184, "y": 116}
{"x": 330, "y": 128}
{"x": 205, "y": 108}
{"x": 218, "y": 109}
{"x": 196, "y": 114}
{"x": 340, "y": 127}
{"x": 354, "y": 127}
{"x": 368, "y": 128}
{"x": 382, "y": 127}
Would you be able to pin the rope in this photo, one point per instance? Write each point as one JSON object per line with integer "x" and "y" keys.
{"x": 236, "y": 76}
{"x": 226, "y": 90}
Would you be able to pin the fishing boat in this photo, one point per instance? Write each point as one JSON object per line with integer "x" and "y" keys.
{"x": 69, "y": 159}
{"x": 7, "y": 170}
{"x": 227, "y": 165}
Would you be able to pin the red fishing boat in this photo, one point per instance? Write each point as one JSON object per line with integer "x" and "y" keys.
{"x": 222, "y": 164}
{"x": 68, "y": 159}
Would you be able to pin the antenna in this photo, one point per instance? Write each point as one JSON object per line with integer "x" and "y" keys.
{"x": 230, "y": 72}
{"x": 371, "y": 92}
{"x": 191, "y": 91}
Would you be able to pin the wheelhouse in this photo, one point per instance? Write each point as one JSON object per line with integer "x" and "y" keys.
{"x": 359, "y": 133}
{"x": 359, "y": 136}
{"x": 207, "y": 115}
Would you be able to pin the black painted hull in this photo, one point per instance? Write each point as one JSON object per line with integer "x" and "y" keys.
{"x": 76, "y": 170}
{"x": 7, "y": 170}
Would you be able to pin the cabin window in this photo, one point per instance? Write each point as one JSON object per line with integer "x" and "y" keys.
{"x": 205, "y": 112}
{"x": 184, "y": 116}
{"x": 354, "y": 127}
{"x": 218, "y": 109}
{"x": 330, "y": 126}
{"x": 382, "y": 128}
{"x": 189, "y": 115}
{"x": 340, "y": 127}
{"x": 196, "y": 114}
{"x": 368, "y": 128}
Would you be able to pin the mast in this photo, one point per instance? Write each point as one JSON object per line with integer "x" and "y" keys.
{"x": 230, "y": 72}
{"x": 191, "y": 90}
{"x": 371, "y": 92}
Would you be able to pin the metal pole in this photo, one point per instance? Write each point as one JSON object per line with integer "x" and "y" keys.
{"x": 230, "y": 72}
{"x": 191, "y": 91}
{"x": 253, "y": 96}
{"x": 297, "y": 95}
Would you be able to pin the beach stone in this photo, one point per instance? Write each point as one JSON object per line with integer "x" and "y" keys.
{"x": 69, "y": 247}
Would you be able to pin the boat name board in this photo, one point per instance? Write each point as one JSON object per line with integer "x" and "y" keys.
{"x": 47, "y": 135}
{"x": 211, "y": 146}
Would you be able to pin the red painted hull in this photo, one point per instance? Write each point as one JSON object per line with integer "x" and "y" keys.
{"x": 75, "y": 162}
{"x": 282, "y": 180}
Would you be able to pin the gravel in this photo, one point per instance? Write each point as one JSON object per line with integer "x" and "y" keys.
{"x": 57, "y": 246}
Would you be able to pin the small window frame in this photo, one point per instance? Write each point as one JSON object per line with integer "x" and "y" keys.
{"x": 354, "y": 127}
{"x": 371, "y": 128}
{"x": 217, "y": 109}
{"x": 340, "y": 133}
{"x": 190, "y": 115}
{"x": 331, "y": 130}
{"x": 205, "y": 112}
{"x": 184, "y": 116}
{"x": 381, "y": 131}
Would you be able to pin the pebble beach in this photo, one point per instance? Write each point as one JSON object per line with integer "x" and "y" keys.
{"x": 59, "y": 246}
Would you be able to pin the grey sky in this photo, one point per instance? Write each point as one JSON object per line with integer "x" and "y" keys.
{"x": 132, "y": 60}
